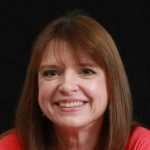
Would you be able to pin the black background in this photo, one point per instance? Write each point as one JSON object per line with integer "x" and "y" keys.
{"x": 21, "y": 21}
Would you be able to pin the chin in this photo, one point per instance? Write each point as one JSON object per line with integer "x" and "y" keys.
{"x": 71, "y": 123}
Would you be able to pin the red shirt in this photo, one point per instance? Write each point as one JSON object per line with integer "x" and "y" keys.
{"x": 139, "y": 140}
{"x": 9, "y": 141}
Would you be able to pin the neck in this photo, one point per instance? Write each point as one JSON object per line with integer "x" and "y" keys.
{"x": 78, "y": 138}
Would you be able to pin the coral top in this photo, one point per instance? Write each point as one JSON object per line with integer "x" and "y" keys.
{"x": 139, "y": 140}
{"x": 9, "y": 141}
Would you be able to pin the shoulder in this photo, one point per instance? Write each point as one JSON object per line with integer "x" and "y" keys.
{"x": 9, "y": 141}
{"x": 140, "y": 139}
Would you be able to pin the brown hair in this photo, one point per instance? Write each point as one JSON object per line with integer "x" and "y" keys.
{"x": 80, "y": 31}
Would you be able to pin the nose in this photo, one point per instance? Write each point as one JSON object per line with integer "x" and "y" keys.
{"x": 69, "y": 83}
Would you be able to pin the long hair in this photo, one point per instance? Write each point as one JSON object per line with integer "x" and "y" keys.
{"x": 81, "y": 32}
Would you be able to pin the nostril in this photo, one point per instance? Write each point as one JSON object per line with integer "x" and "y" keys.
{"x": 68, "y": 88}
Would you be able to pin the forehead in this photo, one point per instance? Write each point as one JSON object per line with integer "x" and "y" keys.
{"x": 62, "y": 52}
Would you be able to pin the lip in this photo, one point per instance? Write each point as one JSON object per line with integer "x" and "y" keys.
{"x": 70, "y": 105}
{"x": 69, "y": 100}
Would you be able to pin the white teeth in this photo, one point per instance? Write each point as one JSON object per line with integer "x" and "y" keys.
{"x": 70, "y": 104}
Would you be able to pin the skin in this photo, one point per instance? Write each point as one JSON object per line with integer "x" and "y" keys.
{"x": 80, "y": 89}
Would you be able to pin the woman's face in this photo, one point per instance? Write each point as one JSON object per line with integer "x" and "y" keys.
{"x": 71, "y": 93}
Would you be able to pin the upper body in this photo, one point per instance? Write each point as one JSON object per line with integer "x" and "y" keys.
{"x": 139, "y": 140}
{"x": 76, "y": 78}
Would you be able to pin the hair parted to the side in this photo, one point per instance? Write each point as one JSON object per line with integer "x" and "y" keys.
{"x": 82, "y": 33}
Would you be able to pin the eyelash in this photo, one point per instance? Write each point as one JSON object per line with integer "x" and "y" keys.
{"x": 51, "y": 73}
{"x": 55, "y": 73}
{"x": 87, "y": 71}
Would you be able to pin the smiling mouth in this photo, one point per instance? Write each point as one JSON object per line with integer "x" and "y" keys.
{"x": 70, "y": 104}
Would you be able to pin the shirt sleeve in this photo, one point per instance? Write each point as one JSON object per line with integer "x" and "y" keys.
{"x": 143, "y": 143}
{"x": 140, "y": 140}
{"x": 9, "y": 142}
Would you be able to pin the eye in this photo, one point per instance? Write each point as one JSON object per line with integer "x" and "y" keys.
{"x": 87, "y": 71}
{"x": 51, "y": 73}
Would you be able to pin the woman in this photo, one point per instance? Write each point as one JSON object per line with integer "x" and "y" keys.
{"x": 76, "y": 94}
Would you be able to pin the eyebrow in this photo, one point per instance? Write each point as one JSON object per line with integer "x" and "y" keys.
{"x": 58, "y": 66}
{"x": 87, "y": 64}
{"x": 48, "y": 66}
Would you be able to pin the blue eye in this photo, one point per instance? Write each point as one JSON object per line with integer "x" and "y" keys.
{"x": 87, "y": 71}
{"x": 51, "y": 73}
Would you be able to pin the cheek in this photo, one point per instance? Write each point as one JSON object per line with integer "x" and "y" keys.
{"x": 99, "y": 97}
{"x": 46, "y": 91}
{"x": 97, "y": 89}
